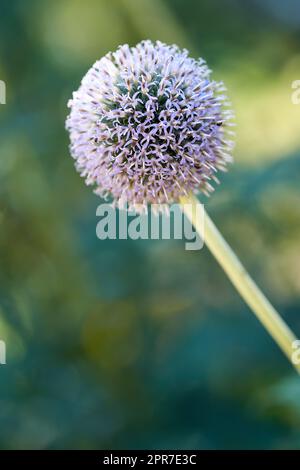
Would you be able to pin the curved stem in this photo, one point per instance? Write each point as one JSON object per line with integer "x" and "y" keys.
{"x": 239, "y": 277}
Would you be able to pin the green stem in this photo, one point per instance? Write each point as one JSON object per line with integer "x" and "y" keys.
{"x": 239, "y": 277}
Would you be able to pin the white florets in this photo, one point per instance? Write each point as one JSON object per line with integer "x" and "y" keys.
{"x": 148, "y": 125}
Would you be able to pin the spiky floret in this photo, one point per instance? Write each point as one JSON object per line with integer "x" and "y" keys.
{"x": 148, "y": 125}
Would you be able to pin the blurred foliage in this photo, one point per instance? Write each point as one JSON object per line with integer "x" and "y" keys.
{"x": 141, "y": 344}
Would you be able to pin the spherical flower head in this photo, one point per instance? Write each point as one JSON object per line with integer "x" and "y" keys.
{"x": 148, "y": 125}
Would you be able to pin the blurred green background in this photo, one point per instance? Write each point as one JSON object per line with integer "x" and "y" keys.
{"x": 141, "y": 344}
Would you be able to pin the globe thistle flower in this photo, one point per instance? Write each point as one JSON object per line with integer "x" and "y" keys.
{"x": 148, "y": 125}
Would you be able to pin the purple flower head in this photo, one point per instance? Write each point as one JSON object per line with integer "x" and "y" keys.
{"x": 148, "y": 125}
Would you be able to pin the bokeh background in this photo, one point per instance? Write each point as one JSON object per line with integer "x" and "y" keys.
{"x": 141, "y": 344}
